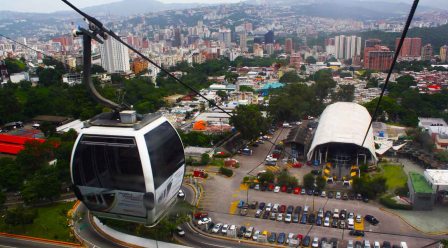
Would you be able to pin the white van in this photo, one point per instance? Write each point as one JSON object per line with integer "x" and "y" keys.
{"x": 403, "y": 245}
{"x": 351, "y": 224}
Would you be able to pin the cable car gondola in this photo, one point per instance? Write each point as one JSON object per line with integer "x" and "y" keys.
{"x": 129, "y": 171}
{"x": 125, "y": 166}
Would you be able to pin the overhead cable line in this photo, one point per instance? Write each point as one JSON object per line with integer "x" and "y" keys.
{"x": 111, "y": 33}
{"x": 394, "y": 61}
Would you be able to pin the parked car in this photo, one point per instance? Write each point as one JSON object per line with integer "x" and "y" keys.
{"x": 253, "y": 204}
{"x": 181, "y": 194}
{"x": 343, "y": 214}
{"x": 351, "y": 196}
{"x": 315, "y": 242}
{"x": 281, "y": 238}
{"x": 350, "y": 244}
{"x": 298, "y": 209}
{"x": 365, "y": 199}
{"x": 288, "y": 218}
{"x": 268, "y": 207}
{"x": 376, "y": 244}
{"x": 240, "y": 204}
{"x": 280, "y": 217}
{"x": 258, "y": 213}
{"x": 367, "y": 244}
{"x": 338, "y": 195}
{"x": 358, "y": 197}
{"x": 358, "y": 244}
{"x": 306, "y": 241}
{"x": 386, "y": 244}
{"x": 304, "y": 218}
{"x": 241, "y": 231}
{"x": 275, "y": 208}
{"x": 204, "y": 220}
{"x": 295, "y": 218}
{"x": 217, "y": 228}
{"x": 257, "y": 186}
{"x": 272, "y": 237}
{"x": 358, "y": 233}
{"x": 224, "y": 229}
{"x": 249, "y": 232}
{"x": 316, "y": 192}
{"x": 273, "y": 216}
{"x": 372, "y": 220}
{"x": 327, "y": 214}
{"x": 289, "y": 209}
{"x": 265, "y": 215}
{"x": 342, "y": 224}
{"x": 320, "y": 213}
{"x": 290, "y": 237}
{"x": 180, "y": 231}
{"x": 261, "y": 205}
{"x": 255, "y": 235}
{"x": 330, "y": 194}
{"x": 303, "y": 191}
{"x": 334, "y": 223}
{"x": 312, "y": 218}
{"x": 243, "y": 212}
{"x": 282, "y": 209}
{"x": 358, "y": 218}
{"x": 319, "y": 221}
{"x": 345, "y": 196}
{"x": 323, "y": 194}
{"x": 277, "y": 189}
{"x": 327, "y": 222}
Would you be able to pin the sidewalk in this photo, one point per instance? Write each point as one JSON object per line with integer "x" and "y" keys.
{"x": 430, "y": 222}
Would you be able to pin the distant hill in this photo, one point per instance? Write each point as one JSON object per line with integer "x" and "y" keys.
{"x": 132, "y": 7}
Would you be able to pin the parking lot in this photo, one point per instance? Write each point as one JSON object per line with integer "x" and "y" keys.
{"x": 222, "y": 195}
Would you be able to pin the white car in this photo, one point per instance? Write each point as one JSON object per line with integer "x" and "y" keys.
{"x": 277, "y": 189}
{"x": 255, "y": 235}
{"x": 181, "y": 194}
{"x": 224, "y": 229}
{"x": 338, "y": 195}
{"x": 376, "y": 244}
{"x": 290, "y": 237}
{"x": 327, "y": 222}
{"x": 204, "y": 220}
{"x": 323, "y": 194}
{"x": 315, "y": 242}
{"x": 367, "y": 244}
{"x": 288, "y": 218}
{"x": 358, "y": 218}
{"x": 268, "y": 207}
{"x": 180, "y": 231}
{"x": 320, "y": 213}
{"x": 280, "y": 217}
{"x": 216, "y": 228}
{"x": 350, "y": 244}
{"x": 275, "y": 208}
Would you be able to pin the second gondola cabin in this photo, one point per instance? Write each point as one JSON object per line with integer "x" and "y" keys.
{"x": 126, "y": 168}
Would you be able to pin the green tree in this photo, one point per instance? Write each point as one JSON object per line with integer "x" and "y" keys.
{"x": 43, "y": 185}
{"x": 249, "y": 121}
{"x": 222, "y": 94}
{"x": 310, "y": 60}
{"x": 320, "y": 182}
{"x": 49, "y": 76}
{"x": 2, "y": 198}
{"x": 10, "y": 107}
{"x": 246, "y": 88}
{"x": 289, "y": 77}
{"x": 34, "y": 156}
{"x": 266, "y": 177}
{"x": 20, "y": 216}
{"x": 205, "y": 159}
{"x": 15, "y": 65}
{"x": 10, "y": 175}
{"x": 308, "y": 181}
{"x": 231, "y": 77}
{"x": 346, "y": 93}
{"x": 97, "y": 69}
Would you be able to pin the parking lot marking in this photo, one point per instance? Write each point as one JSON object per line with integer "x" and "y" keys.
{"x": 233, "y": 207}
{"x": 244, "y": 186}
{"x": 235, "y": 195}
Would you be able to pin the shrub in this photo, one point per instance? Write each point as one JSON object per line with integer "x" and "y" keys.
{"x": 205, "y": 159}
{"x": 225, "y": 171}
{"x": 237, "y": 165}
{"x": 222, "y": 155}
{"x": 387, "y": 201}
{"x": 402, "y": 191}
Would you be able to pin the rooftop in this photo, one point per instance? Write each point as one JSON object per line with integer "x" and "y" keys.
{"x": 437, "y": 177}
{"x": 419, "y": 183}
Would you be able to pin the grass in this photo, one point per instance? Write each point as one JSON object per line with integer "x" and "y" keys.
{"x": 51, "y": 223}
{"x": 395, "y": 176}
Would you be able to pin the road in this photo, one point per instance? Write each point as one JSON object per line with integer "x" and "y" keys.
{"x": 9, "y": 242}
{"x": 221, "y": 204}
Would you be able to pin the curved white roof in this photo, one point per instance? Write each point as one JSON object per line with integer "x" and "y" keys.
{"x": 343, "y": 122}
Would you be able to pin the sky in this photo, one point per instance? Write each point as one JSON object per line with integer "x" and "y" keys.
{"x": 47, "y": 6}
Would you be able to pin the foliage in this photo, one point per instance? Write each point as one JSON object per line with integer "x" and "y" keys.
{"x": 249, "y": 121}
{"x": 402, "y": 191}
{"x": 394, "y": 175}
{"x": 231, "y": 77}
{"x": 222, "y": 94}
{"x": 390, "y": 203}
{"x": 267, "y": 177}
{"x": 370, "y": 187}
{"x": 10, "y": 175}
{"x": 2, "y": 198}
{"x": 20, "y": 216}
{"x": 226, "y": 171}
{"x": 97, "y": 69}
{"x": 320, "y": 182}
{"x": 442, "y": 156}
{"x": 246, "y": 88}
{"x": 310, "y": 60}
{"x": 200, "y": 139}
{"x": 34, "y": 156}
{"x": 290, "y": 77}
{"x": 50, "y": 223}
{"x": 346, "y": 93}
{"x": 49, "y": 76}
{"x": 284, "y": 178}
{"x": 44, "y": 185}
{"x": 15, "y": 65}
{"x": 10, "y": 108}
{"x": 205, "y": 159}
{"x": 308, "y": 181}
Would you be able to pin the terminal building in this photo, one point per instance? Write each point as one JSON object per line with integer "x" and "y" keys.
{"x": 338, "y": 141}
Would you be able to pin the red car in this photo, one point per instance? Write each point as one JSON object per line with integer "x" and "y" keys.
{"x": 309, "y": 163}
{"x": 282, "y": 209}
{"x": 283, "y": 188}
{"x": 297, "y": 190}
{"x": 200, "y": 215}
{"x": 271, "y": 187}
{"x": 300, "y": 236}
{"x": 297, "y": 165}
